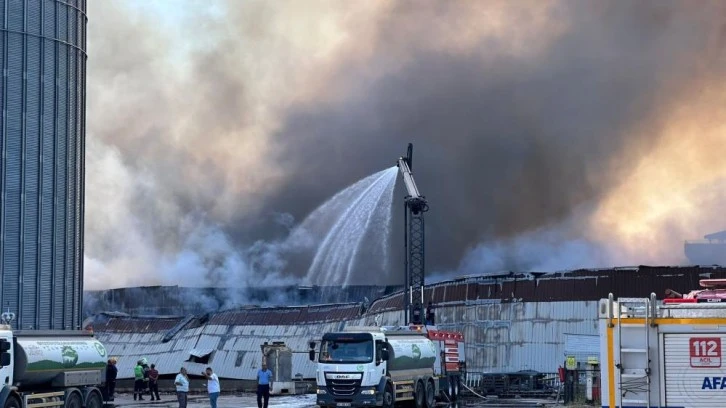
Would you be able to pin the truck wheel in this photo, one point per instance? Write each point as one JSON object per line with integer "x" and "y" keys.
{"x": 456, "y": 381}
{"x": 94, "y": 400}
{"x": 388, "y": 397}
{"x": 12, "y": 402}
{"x": 420, "y": 396}
{"x": 73, "y": 401}
{"x": 450, "y": 388}
{"x": 430, "y": 394}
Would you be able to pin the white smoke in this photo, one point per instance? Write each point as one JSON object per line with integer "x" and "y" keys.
{"x": 122, "y": 250}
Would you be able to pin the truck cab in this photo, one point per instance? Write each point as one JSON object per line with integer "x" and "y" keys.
{"x": 352, "y": 369}
{"x": 380, "y": 366}
{"x": 6, "y": 357}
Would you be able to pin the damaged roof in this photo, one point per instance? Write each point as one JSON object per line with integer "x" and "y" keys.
{"x": 231, "y": 340}
{"x": 578, "y": 285}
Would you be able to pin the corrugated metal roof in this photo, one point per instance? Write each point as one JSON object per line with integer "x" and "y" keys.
{"x": 584, "y": 285}
{"x": 140, "y": 324}
{"x": 200, "y": 352}
{"x": 582, "y": 346}
{"x": 503, "y": 331}
{"x": 175, "y": 300}
{"x": 287, "y": 315}
{"x": 719, "y": 236}
{"x": 236, "y": 351}
{"x": 499, "y": 337}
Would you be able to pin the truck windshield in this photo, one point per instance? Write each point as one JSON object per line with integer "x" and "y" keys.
{"x": 346, "y": 351}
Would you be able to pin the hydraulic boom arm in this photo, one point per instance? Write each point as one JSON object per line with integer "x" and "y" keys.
{"x": 415, "y": 205}
{"x": 415, "y": 201}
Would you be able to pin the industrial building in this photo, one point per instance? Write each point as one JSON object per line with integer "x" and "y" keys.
{"x": 711, "y": 250}
{"x": 511, "y": 322}
{"x": 43, "y": 103}
{"x": 181, "y": 301}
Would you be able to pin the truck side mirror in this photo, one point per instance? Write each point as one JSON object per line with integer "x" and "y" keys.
{"x": 311, "y": 355}
{"x": 4, "y": 345}
{"x": 384, "y": 355}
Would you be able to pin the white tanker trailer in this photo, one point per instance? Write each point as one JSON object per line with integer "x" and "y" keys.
{"x": 50, "y": 369}
{"x": 379, "y": 366}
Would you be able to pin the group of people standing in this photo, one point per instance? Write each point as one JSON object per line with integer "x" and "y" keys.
{"x": 182, "y": 386}
{"x": 264, "y": 385}
{"x": 147, "y": 377}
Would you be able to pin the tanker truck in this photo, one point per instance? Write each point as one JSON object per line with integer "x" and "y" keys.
{"x": 383, "y": 366}
{"x": 56, "y": 368}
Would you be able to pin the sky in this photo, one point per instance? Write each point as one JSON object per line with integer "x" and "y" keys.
{"x": 548, "y": 135}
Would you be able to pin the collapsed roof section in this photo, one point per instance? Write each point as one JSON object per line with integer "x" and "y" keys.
{"x": 579, "y": 285}
{"x": 230, "y": 340}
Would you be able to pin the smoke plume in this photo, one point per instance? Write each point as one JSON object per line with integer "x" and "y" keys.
{"x": 547, "y": 134}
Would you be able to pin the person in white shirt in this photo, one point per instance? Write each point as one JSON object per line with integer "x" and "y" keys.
{"x": 182, "y": 387}
{"x": 213, "y": 387}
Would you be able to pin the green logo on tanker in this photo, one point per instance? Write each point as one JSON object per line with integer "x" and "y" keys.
{"x": 415, "y": 352}
{"x": 359, "y": 368}
{"x": 101, "y": 350}
{"x": 70, "y": 356}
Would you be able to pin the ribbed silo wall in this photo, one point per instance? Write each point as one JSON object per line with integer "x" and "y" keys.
{"x": 43, "y": 103}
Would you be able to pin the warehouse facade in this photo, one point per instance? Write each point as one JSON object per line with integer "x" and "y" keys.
{"x": 510, "y": 322}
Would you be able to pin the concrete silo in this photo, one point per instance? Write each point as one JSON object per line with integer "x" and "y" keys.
{"x": 43, "y": 104}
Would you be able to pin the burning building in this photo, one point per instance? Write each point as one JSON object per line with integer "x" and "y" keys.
{"x": 511, "y": 322}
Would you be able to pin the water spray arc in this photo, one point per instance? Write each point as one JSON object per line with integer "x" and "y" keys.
{"x": 415, "y": 205}
{"x": 356, "y": 220}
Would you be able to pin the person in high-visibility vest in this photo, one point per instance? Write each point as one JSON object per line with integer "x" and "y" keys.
{"x": 139, "y": 381}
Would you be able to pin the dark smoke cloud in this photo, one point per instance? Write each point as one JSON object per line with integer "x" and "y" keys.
{"x": 209, "y": 135}
{"x": 505, "y": 145}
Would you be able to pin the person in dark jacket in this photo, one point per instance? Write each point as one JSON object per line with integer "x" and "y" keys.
{"x": 111, "y": 373}
{"x": 154, "y": 382}
{"x": 145, "y": 366}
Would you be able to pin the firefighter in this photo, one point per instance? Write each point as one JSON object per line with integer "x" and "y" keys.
{"x": 139, "y": 381}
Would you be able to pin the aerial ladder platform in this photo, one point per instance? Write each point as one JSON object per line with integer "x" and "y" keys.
{"x": 415, "y": 205}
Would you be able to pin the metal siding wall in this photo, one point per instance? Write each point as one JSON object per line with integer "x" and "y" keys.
{"x": 45, "y": 280}
{"x": 71, "y": 232}
{"x": 499, "y": 337}
{"x": 13, "y": 158}
{"x": 582, "y": 346}
{"x": 511, "y": 336}
{"x": 61, "y": 191}
{"x": 42, "y": 97}
{"x": 29, "y": 307}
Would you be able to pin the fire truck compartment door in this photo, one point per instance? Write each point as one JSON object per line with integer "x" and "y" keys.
{"x": 695, "y": 374}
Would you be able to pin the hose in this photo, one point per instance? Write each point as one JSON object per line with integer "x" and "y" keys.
{"x": 448, "y": 400}
{"x": 473, "y": 392}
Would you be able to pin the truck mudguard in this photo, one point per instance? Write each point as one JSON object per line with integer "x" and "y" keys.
{"x": 4, "y": 394}
{"x": 381, "y": 385}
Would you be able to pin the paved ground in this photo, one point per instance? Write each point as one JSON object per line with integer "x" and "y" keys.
{"x": 303, "y": 401}
{"x": 224, "y": 401}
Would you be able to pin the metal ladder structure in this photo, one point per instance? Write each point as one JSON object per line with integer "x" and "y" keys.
{"x": 634, "y": 357}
